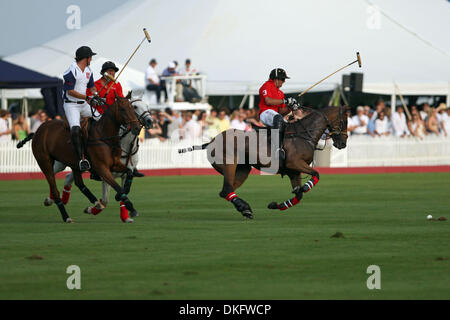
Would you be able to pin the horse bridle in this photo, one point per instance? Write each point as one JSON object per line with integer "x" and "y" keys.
{"x": 142, "y": 116}
{"x": 331, "y": 130}
{"x": 339, "y": 127}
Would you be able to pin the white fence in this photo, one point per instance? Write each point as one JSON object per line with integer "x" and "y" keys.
{"x": 361, "y": 151}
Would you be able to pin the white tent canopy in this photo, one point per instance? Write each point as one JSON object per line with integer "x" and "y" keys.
{"x": 236, "y": 43}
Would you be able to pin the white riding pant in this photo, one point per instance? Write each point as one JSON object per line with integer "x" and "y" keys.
{"x": 267, "y": 116}
{"x": 75, "y": 111}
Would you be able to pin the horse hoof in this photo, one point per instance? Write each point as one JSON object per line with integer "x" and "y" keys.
{"x": 134, "y": 214}
{"x": 69, "y": 220}
{"x": 48, "y": 202}
{"x": 87, "y": 210}
{"x": 128, "y": 220}
{"x": 273, "y": 205}
{"x": 248, "y": 214}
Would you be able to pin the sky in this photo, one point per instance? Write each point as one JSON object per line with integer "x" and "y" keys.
{"x": 25, "y": 23}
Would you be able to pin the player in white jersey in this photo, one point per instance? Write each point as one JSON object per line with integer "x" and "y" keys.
{"x": 76, "y": 103}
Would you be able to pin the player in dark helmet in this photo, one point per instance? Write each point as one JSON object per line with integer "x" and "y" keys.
{"x": 77, "y": 79}
{"x": 273, "y": 105}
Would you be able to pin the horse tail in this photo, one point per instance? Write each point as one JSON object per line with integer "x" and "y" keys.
{"x": 193, "y": 148}
{"x": 22, "y": 142}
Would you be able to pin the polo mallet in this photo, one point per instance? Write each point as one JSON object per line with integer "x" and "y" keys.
{"x": 358, "y": 59}
{"x": 403, "y": 102}
{"x": 147, "y": 36}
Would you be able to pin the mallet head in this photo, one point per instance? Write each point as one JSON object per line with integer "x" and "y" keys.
{"x": 359, "y": 59}
{"x": 147, "y": 35}
{"x": 107, "y": 75}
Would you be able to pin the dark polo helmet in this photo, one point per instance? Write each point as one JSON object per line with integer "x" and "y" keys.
{"x": 84, "y": 52}
{"x": 278, "y": 73}
{"x": 109, "y": 65}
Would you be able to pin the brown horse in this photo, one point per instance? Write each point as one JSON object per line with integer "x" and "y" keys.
{"x": 243, "y": 150}
{"x": 52, "y": 142}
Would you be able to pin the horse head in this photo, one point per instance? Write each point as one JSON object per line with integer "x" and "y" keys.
{"x": 125, "y": 115}
{"x": 141, "y": 110}
{"x": 337, "y": 125}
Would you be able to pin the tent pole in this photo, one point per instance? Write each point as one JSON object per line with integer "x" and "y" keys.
{"x": 244, "y": 99}
{"x": 4, "y": 100}
{"x": 251, "y": 102}
{"x": 393, "y": 103}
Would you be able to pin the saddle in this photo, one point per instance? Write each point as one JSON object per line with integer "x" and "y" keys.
{"x": 84, "y": 125}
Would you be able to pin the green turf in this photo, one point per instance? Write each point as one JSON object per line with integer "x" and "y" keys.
{"x": 190, "y": 244}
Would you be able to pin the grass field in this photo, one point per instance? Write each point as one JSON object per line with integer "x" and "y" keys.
{"x": 190, "y": 244}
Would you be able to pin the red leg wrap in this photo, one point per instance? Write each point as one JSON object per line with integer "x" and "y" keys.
{"x": 66, "y": 194}
{"x": 231, "y": 196}
{"x": 288, "y": 203}
{"x": 123, "y": 212}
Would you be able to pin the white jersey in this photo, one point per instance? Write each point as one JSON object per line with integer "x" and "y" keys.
{"x": 75, "y": 79}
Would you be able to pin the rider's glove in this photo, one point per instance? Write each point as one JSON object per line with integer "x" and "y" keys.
{"x": 290, "y": 102}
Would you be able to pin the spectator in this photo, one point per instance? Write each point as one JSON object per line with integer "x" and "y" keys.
{"x": 188, "y": 69}
{"x": 190, "y": 93}
{"x": 441, "y": 113}
{"x": 168, "y": 72}
{"x": 5, "y": 131}
{"x": 192, "y": 129}
{"x": 203, "y": 124}
{"x": 350, "y": 125}
{"x": 416, "y": 126}
{"x": 432, "y": 123}
{"x": 253, "y": 118}
{"x": 152, "y": 81}
{"x": 175, "y": 124}
{"x": 424, "y": 113}
{"x": 156, "y": 130}
{"x": 237, "y": 120}
{"x": 35, "y": 120}
{"x": 224, "y": 123}
{"x": 374, "y": 116}
{"x": 446, "y": 121}
{"x": 20, "y": 128}
{"x": 381, "y": 125}
{"x": 399, "y": 125}
{"x": 360, "y": 121}
{"x": 164, "y": 119}
{"x": 213, "y": 124}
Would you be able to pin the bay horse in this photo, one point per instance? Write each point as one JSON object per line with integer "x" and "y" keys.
{"x": 52, "y": 142}
{"x": 129, "y": 143}
{"x": 299, "y": 143}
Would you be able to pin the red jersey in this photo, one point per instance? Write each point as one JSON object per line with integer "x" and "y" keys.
{"x": 268, "y": 89}
{"x": 116, "y": 88}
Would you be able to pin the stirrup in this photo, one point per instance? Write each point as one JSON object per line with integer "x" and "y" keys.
{"x": 84, "y": 165}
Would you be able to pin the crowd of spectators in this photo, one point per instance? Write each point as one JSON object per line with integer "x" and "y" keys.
{"x": 199, "y": 124}
{"x": 15, "y": 126}
{"x": 382, "y": 121}
{"x": 184, "y": 90}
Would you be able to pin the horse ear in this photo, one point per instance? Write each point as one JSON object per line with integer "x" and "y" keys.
{"x": 129, "y": 95}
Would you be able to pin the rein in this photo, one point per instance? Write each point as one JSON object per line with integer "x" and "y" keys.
{"x": 309, "y": 137}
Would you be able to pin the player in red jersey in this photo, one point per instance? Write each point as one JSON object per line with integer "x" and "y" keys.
{"x": 104, "y": 82}
{"x": 272, "y": 103}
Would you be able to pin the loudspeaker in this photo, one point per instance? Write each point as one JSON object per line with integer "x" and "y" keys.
{"x": 356, "y": 82}
{"x": 346, "y": 82}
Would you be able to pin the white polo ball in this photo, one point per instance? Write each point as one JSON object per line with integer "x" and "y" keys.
{"x": 429, "y": 217}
